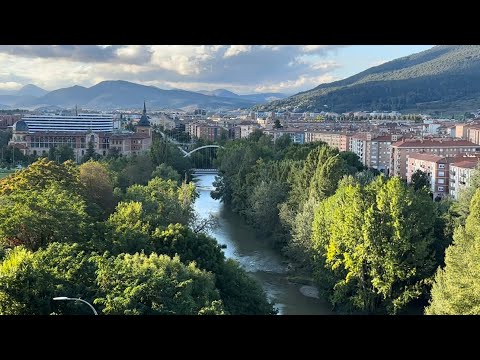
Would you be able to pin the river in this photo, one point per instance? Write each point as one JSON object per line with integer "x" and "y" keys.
{"x": 255, "y": 255}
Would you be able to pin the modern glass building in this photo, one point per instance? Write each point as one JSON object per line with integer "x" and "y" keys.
{"x": 75, "y": 123}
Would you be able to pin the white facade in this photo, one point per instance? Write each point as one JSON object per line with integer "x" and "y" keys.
{"x": 81, "y": 122}
{"x": 460, "y": 175}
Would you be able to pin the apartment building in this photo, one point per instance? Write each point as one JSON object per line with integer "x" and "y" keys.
{"x": 341, "y": 141}
{"x": 373, "y": 150}
{"x": 436, "y": 168}
{"x": 401, "y": 150}
{"x": 205, "y": 130}
{"x": 460, "y": 175}
{"x": 297, "y": 136}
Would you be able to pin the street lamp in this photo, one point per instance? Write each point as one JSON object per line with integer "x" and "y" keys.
{"x": 76, "y": 299}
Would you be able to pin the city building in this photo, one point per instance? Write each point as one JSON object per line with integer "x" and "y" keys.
{"x": 374, "y": 151}
{"x": 205, "y": 130}
{"x": 296, "y": 136}
{"x": 473, "y": 133}
{"x": 379, "y": 149}
{"x": 460, "y": 175}
{"x": 436, "y": 168}
{"x": 72, "y": 123}
{"x": 36, "y": 134}
{"x": 244, "y": 130}
{"x": 7, "y": 121}
{"x": 442, "y": 147}
{"x": 336, "y": 140}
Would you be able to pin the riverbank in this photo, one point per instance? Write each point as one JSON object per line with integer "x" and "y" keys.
{"x": 258, "y": 257}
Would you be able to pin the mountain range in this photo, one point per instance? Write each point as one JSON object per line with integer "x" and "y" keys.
{"x": 119, "y": 94}
{"x": 441, "y": 79}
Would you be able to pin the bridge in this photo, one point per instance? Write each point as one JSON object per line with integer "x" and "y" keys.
{"x": 187, "y": 154}
{"x": 205, "y": 171}
{"x": 205, "y": 160}
{"x": 179, "y": 145}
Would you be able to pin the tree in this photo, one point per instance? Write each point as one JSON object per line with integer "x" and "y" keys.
{"x": 461, "y": 208}
{"x": 241, "y": 294}
{"x": 374, "y": 245}
{"x": 326, "y": 177}
{"x": 63, "y": 153}
{"x": 60, "y": 269}
{"x": 163, "y": 152}
{"x": 166, "y": 172}
{"x": 97, "y": 184}
{"x": 420, "y": 181}
{"x": 42, "y": 174}
{"x": 300, "y": 244}
{"x": 277, "y": 124}
{"x": 178, "y": 239}
{"x": 154, "y": 285}
{"x": 135, "y": 170}
{"x": 90, "y": 154}
{"x": 126, "y": 232}
{"x": 352, "y": 161}
{"x": 456, "y": 287}
{"x": 164, "y": 202}
{"x": 34, "y": 218}
{"x": 262, "y": 209}
{"x": 283, "y": 142}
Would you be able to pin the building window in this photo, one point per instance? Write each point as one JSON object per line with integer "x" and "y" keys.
{"x": 441, "y": 173}
{"x": 440, "y": 188}
{"x": 441, "y": 181}
{"x": 441, "y": 166}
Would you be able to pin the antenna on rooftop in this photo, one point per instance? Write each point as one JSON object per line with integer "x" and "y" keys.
{"x": 76, "y": 110}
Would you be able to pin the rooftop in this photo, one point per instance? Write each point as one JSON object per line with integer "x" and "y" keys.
{"x": 419, "y": 143}
{"x": 426, "y": 157}
{"x": 466, "y": 164}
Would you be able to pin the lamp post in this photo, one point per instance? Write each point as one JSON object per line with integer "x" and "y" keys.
{"x": 76, "y": 299}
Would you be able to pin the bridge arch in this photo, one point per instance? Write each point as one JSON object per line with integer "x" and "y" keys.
{"x": 187, "y": 154}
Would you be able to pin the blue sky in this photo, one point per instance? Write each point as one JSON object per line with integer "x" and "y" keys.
{"x": 239, "y": 68}
{"x": 358, "y": 58}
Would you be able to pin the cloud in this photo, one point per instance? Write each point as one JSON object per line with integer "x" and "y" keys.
{"x": 243, "y": 68}
{"x": 234, "y": 50}
{"x": 302, "y": 82}
{"x": 10, "y": 85}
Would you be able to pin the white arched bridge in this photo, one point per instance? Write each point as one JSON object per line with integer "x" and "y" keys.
{"x": 188, "y": 153}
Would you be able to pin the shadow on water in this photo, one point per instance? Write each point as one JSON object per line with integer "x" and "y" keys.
{"x": 255, "y": 255}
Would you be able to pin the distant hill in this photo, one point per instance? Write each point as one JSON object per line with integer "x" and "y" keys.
{"x": 219, "y": 92}
{"x": 108, "y": 95}
{"x": 264, "y": 97}
{"x": 31, "y": 90}
{"x": 442, "y": 79}
{"x": 256, "y": 98}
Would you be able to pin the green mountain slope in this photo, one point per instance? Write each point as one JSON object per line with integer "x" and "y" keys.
{"x": 444, "y": 78}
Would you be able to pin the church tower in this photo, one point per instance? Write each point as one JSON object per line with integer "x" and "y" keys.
{"x": 143, "y": 126}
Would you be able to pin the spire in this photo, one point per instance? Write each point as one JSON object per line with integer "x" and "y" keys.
{"x": 144, "y": 108}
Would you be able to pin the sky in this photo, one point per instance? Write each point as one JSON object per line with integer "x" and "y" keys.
{"x": 243, "y": 69}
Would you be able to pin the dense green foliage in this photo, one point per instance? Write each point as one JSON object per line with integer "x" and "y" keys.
{"x": 371, "y": 244}
{"x": 444, "y": 78}
{"x": 457, "y": 286}
{"x": 65, "y": 231}
{"x": 155, "y": 285}
{"x": 375, "y": 244}
{"x": 29, "y": 280}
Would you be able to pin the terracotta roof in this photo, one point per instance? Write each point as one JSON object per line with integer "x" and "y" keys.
{"x": 426, "y": 157}
{"x": 359, "y": 137}
{"x": 417, "y": 143}
{"x": 466, "y": 164}
{"x": 383, "y": 138}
